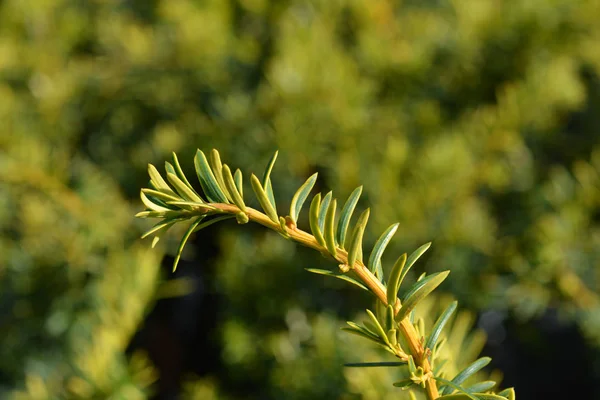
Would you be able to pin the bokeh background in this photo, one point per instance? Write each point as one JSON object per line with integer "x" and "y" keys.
{"x": 473, "y": 123}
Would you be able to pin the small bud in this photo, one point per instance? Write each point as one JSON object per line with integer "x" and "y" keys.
{"x": 289, "y": 222}
{"x": 242, "y": 218}
{"x": 284, "y": 228}
{"x": 344, "y": 268}
{"x": 420, "y": 377}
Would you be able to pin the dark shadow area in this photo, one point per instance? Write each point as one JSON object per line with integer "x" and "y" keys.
{"x": 545, "y": 358}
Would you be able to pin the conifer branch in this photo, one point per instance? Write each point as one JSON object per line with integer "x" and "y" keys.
{"x": 223, "y": 199}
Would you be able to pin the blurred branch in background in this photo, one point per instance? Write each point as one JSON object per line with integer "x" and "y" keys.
{"x": 473, "y": 123}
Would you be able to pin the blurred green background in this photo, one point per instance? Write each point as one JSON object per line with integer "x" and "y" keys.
{"x": 474, "y": 123}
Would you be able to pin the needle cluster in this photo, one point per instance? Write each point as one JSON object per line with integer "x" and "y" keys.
{"x": 390, "y": 324}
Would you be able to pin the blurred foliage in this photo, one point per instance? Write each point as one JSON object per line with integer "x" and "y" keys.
{"x": 472, "y": 122}
{"x": 67, "y": 259}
